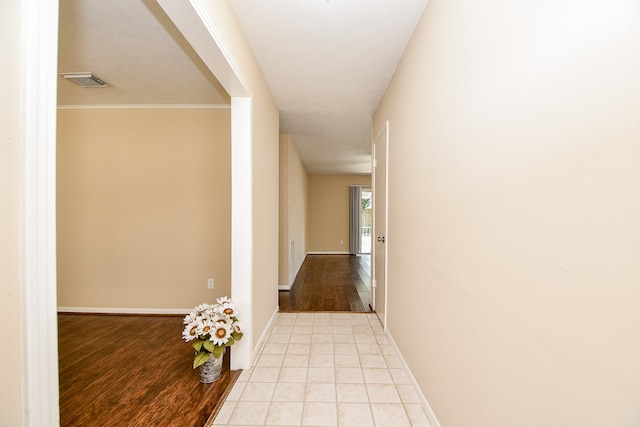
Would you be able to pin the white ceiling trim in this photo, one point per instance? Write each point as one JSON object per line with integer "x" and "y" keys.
{"x": 143, "y": 106}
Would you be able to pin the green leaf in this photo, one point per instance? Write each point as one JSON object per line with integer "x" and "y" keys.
{"x": 209, "y": 346}
{"x": 197, "y": 344}
{"x": 200, "y": 358}
{"x": 217, "y": 351}
{"x": 237, "y": 336}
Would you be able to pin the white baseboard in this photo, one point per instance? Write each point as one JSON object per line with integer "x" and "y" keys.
{"x": 263, "y": 337}
{"x": 328, "y": 253}
{"x": 106, "y": 310}
{"x": 293, "y": 279}
{"x": 168, "y": 311}
{"x": 431, "y": 416}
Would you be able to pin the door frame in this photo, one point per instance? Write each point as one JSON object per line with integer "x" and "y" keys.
{"x": 355, "y": 217}
{"x": 37, "y": 259}
{"x": 363, "y": 189}
{"x": 38, "y": 81}
{"x": 377, "y": 210}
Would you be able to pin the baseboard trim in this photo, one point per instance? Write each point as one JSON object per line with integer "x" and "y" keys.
{"x": 106, "y": 310}
{"x": 142, "y": 106}
{"x": 431, "y": 416}
{"x": 293, "y": 279}
{"x": 263, "y": 337}
{"x": 328, "y": 253}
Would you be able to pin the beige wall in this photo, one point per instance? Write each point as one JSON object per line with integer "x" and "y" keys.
{"x": 283, "y": 214}
{"x": 265, "y": 212}
{"x": 10, "y": 139}
{"x": 514, "y": 198}
{"x": 328, "y": 211}
{"x": 144, "y": 207}
{"x": 293, "y": 210}
{"x": 266, "y": 131}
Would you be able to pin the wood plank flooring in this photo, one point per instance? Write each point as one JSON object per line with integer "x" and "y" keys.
{"x": 132, "y": 371}
{"x": 135, "y": 371}
{"x": 330, "y": 283}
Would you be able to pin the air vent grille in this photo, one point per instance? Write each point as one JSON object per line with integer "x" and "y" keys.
{"x": 85, "y": 79}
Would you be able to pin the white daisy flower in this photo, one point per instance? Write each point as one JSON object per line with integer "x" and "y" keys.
{"x": 205, "y": 326}
{"x": 204, "y": 308}
{"x": 237, "y": 327}
{"x": 190, "y": 331}
{"x": 219, "y": 317}
{"x": 205, "y": 317}
{"x": 228, "y": 309}
{"x": 216, "y": 323}
{"x": 222, "y": 300}
{"x": 191, "y": 317}
{"x": 221, "y": 333}
{"x": 198, "y": 319}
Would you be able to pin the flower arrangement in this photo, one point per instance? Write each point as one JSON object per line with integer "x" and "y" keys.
{"x": 212, "y": 328}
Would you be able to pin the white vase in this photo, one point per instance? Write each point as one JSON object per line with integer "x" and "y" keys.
{"x": 211, "y": 369}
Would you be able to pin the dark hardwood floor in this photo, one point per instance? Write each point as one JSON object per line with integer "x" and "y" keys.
{"x": 132, "y": 371}
{"x": 330, "y": 283}
{"x": 135, "y": 371}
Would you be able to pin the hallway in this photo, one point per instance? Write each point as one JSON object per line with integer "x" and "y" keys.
{"x": 326, "y": 361}
{"x": 325, "y": 369}
{"x": 330, "y": 283}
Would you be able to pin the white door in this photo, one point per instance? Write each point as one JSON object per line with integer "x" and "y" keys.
{"x": 379, "y": 244}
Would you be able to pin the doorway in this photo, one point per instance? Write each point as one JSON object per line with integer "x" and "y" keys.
{"x": 38, "y": 225}
{"x": 360, "y": 219}
{"x": 366, "y": 219}
{"x": 380, "y": 185}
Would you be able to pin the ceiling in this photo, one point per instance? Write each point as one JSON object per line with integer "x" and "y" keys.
{"x": 133, "y": 46}
{"x": 327, "y": 63}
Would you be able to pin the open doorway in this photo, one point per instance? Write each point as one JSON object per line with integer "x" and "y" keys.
{"x": 361, "y": 219}
{"x": 37, "y": 256}
{"x": 366, "y": 220}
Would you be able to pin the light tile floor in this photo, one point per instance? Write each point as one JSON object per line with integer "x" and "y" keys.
{"x": 321, "y": 370}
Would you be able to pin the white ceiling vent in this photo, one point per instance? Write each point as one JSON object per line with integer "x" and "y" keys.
{"x": 85, "y": 79}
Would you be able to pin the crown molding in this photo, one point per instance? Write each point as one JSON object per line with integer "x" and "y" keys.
{"x": 143, "y": 106}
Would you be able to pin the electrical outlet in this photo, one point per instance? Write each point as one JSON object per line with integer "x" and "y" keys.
{"x": 341, "y": 242}
{"x": 210, "y": 283}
